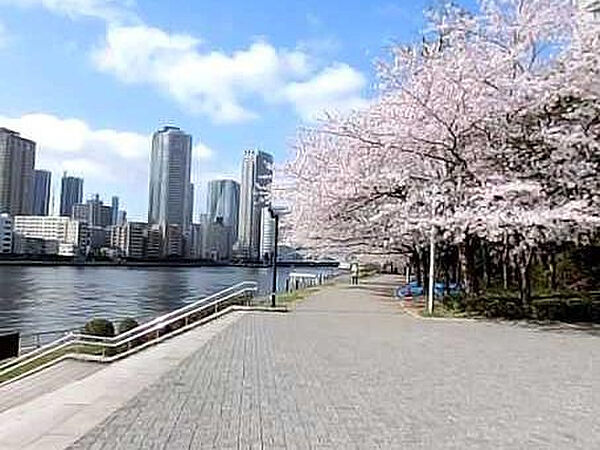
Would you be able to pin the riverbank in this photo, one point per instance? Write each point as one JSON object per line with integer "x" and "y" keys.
{"x": 37, "y": 299}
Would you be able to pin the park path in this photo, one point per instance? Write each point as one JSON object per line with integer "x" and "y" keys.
{"x": 347, "y": 369}
{"x": 48, "y": 380}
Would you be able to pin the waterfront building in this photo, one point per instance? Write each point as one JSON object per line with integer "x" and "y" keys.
{"x": 267, "y": 234}
{"x": 196, "y": 241}
{"x": 6, "y": 233}
{"x": 121, "y": 218}
{"x": 41, "y": 192}
{"x": 154, "y": 242}
{"x": 173, "y": 241}
{"x": 257, "y": 176}
{"x": 71, "y": 193}
{"x": 114, "y": 210}
{"x": 99, "y": 237}
{"x": 17, "y": 160}
{"x": 72, "y": 236}
{"x": 191, "y": 207}
{"x": 170, "y": 202}
{"x": 94, "y": 212}
{"x": 223, "y": 201}
{"x": 32, "y": 246}
{"x": 216, "y": 241}
{"x": 131, "y": 239}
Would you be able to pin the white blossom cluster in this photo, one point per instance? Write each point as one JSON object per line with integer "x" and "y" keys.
{"x": 489, "y": 127}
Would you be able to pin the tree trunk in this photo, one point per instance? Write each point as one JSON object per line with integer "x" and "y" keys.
{"x": 463, "y": 269}
{"x": 525, "y": 277}
{"x": 425, "y": 268}
{"x": 417, "y": 260}
{"x": 505, "y": 262}
{"x": 447, "y": 279}
{"x": 485, "y": 266}
{"x": 552, "y": 265}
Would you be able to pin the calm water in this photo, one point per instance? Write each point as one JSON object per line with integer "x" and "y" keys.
{"x": 35, "y": 299}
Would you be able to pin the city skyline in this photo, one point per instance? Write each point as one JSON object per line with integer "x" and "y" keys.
{"x": 51, "y": 188}
{"x": 247, "y": 86}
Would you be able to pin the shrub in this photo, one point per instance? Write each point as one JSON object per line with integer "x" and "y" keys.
{"x": 127, "y": 324}
{"x": 99, "y": 327}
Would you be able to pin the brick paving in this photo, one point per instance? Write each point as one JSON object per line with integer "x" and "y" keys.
{"x": 347, "y": 369}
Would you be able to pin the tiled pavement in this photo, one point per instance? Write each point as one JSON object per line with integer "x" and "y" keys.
{"x": 348, "y": 370}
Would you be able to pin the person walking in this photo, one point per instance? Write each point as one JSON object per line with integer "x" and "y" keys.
{"x": 354, "y": 269}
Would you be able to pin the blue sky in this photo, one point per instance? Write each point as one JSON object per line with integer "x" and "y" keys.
{"x": 90, "y": 80}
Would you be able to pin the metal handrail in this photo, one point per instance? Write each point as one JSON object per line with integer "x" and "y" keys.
{"x": 158, "y": 325}
{"x": 178, "y": 312}
{"x": 153, "y": 326}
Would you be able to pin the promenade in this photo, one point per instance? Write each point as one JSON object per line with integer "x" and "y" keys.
{"x": 347, "y": 369}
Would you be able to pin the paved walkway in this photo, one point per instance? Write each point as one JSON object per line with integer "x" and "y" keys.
{"x": 348, "y": 370}
{"x": 41, "y": 383}
{"x": 61, "y": 415}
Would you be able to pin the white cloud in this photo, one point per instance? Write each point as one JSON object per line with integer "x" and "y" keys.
{"x": 108, "y": 10}
{"x": 215, "y": 83}
{"x": 202, "y": 152}
{"x": 335, "y": 88}
{"x": 74, "y": 137}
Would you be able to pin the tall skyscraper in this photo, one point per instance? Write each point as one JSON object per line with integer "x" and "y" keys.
{"x": 71, "y": 193}
{"x": 267, "y": 234}
{"x": 224, "y": 201}
{"x": 191, "y": 205}
{"x": 17, "y": 161}
{"x": 41, "y": 192}
{"x": 257, "y": 176}
{"x": 170, "y": 188}
{"x": 114, "y": 210}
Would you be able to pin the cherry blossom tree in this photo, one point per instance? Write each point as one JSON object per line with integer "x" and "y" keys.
{"x": 486, "y": 131}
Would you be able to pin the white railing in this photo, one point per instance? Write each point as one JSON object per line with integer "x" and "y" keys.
{"x": 109, "y": 348}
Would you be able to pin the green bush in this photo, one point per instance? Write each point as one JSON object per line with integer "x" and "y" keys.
{"x": 99, "y": 327}
{"x": 127, "y": 324}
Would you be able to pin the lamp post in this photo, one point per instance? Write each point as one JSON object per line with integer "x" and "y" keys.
{"x": 275, "y": 213}
{"x": 276, "y": 237}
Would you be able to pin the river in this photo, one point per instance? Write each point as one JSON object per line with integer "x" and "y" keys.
{"x": 37, "y": 299}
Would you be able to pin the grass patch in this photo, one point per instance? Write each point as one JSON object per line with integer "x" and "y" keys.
{"x": 292, "y": 297}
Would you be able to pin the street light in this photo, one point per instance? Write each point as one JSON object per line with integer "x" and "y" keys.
{"x": 276, "y": 212}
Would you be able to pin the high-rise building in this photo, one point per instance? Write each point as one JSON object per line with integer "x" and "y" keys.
{"x": 115, "y": 210}
{"x": 257, "y": 176}
{"x": 5, "y": 233}
{"x": 191, "y": 206}
{"x": 17, "y": 161}
{"x": 130, "y": 239}
{"x": 196, "y": 241}
{"x": 170, "y": 191}
{"x": 216, "y": 241}
{"x": 223, "y": 201}
{"x": 94, "y": 212}
{"x": 41, "y": 192}
{"x": 71, "y": 193}
{"x": 267, "y": 234}
{"x": 121, "y": 218}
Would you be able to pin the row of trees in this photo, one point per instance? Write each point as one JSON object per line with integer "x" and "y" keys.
{"x": 484, "y": 136}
